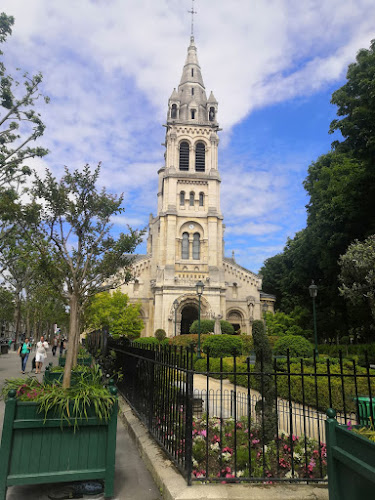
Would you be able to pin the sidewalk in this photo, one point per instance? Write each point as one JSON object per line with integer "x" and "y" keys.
{"x": 132, "y": 479}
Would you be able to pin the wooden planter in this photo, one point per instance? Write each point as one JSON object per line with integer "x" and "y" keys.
{"x": 350, "y": 461}
{"x": 37, "y": 452}
{"x": 86, "y": 361}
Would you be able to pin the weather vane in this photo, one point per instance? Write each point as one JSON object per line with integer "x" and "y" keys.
{"x": 192, "y": 12}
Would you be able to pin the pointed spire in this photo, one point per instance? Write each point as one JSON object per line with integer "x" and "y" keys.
{"x": 192, "y": 71}
{"x": 212, "y": 99}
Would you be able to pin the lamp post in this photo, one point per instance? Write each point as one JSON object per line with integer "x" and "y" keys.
{"x": 175, "y": 305}
{"x": 199, "y": 287}
{"x": 313, "y": 290}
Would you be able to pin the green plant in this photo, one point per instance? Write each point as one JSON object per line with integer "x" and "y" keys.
{"x": 220, "y": 346}
{"x": 298, "y": 346}
{"x": 190, "y": 340}
{"x": 266, "y": 406}
{"x": 72, "y": 404}
{"x": 247, "y": 344}
{"x": 160, "y": 334}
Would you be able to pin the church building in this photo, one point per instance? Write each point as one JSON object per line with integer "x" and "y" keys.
{"x": 186, "y": 237}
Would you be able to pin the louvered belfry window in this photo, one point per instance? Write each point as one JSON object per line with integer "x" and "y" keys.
{"x": 184, "y": 155}
{"x": 182, "y": 198}
{"x": 200, "y": 157}
{"x": 185, "y": 246}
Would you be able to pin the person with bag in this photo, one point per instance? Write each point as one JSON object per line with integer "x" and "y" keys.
{"x": 41, "y": 354}
{"x": 24, "y": 351}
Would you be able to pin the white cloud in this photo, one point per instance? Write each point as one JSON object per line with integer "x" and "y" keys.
{"x": 110, "y": 65}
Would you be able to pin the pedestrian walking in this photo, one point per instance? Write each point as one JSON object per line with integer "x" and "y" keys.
{"x": 62, "y": 346}
{"x": 54, "y": 348}
{"x": 24, "y": 351}
{"x": 41, "y": 354}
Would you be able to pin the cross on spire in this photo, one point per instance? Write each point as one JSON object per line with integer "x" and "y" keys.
{"x": 192, "y": 12}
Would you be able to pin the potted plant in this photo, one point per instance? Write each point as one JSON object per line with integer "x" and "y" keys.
{"x": 350, "y": 460}
{"x": 74, "y": 431}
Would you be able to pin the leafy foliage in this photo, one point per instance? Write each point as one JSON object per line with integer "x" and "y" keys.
{"x": 113, "y": 311}
{"x": 160, "y": 334}
{"x": 341, "y": 188}
{"x": 20, "y": 125}
{"x": 74, "y": 219}
{"x": 220, "y": 346}
{"x": 298, "y": 346}
{"x": 357, "y": 275}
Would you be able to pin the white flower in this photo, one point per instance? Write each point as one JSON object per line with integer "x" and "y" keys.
{"x": 215, "y": 447}
{"x": 226, "y": 456}
{"x": 195, "y": 463}
{"x": 240, "y": 473}
{"x": 289, "y": 474}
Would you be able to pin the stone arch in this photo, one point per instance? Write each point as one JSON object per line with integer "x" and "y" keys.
{"x": 236, "y": 317}
{"x": 187, "y": 311}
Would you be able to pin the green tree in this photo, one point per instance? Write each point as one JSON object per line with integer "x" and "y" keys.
{"x": 74, "y": 219}
{"x": 113, "y": 311}
{"x": 17, "y": 103}
{"x": 357, "y": 276}
{"x": 356, "y": 107}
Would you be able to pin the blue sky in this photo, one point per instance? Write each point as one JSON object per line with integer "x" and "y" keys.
{"x": 109, "y": 67}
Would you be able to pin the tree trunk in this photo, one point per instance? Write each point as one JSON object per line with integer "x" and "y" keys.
{"x": 76, "y": 344}
{"x": 18, "y": 322}
{"x": 73, "y": 340}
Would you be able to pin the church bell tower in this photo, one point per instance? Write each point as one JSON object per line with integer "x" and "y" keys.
{"x": 186, "y": 236}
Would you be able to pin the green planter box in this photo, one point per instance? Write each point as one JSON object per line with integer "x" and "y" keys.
{"x": 80, "y": 361}
{"x": 350, "y": 462}
{"x": 364, "y": 410}
{"x": 34, "y": 452}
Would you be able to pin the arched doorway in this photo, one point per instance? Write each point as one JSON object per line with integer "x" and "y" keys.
{"x": 188, "y": 315}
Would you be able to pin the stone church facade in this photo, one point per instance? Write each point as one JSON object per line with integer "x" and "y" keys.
{"x": 186, "y": 238}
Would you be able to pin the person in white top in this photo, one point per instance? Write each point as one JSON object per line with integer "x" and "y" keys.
{"x": 41, "y": 354}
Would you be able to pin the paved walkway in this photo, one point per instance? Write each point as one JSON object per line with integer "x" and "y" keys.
{"x": 132, "y": 479}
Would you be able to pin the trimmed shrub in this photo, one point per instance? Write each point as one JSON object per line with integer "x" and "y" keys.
{"x": 220, "y": 346}
{"x": 266, "y": 407}
{"x": 187, "y": 340}
{"x": 200, "y": 365}
{"x": 160, "y": 334}
{"x": 247, "y": 344}
{"x": 298, "y": 346}
{"x": 207, "y": 326}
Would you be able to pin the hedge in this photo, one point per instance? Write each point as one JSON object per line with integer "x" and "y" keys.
{"x": 220, "y": 346}
{"x": 298, "y": 346}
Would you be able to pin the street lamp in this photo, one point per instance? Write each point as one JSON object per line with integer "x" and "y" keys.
{"x": 175, "y": 305}
{"x": 313, "y": 290}
{"x": 199, "y": 287}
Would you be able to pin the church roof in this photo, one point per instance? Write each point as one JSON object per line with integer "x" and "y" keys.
{"x": 230, "y": 260}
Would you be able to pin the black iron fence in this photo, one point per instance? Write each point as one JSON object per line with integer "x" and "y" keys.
{"x": 236, "y": 422}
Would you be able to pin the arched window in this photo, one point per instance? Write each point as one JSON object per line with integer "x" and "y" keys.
{"x": 174, "y": 111}
{"x": 193, "y": 114}
{"x": 184, "y": 155}
{"x": 196, "y": 246}
{"x": 182, "y": 198}
{"x": 192, "y": 90}
{"x": 211, "y": 114}
{"x": 201, "y": 199}
{"x": 200, "y": 157}
{"x": 185, "y": 246}
{"x": 191, "y": 199}
{"x": 192, "y": 72}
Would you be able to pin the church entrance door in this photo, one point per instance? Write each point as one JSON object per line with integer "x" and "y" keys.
{"x": 189, "y": 314}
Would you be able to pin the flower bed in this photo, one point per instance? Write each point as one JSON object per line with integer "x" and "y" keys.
{"x": 222, "y": 452}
